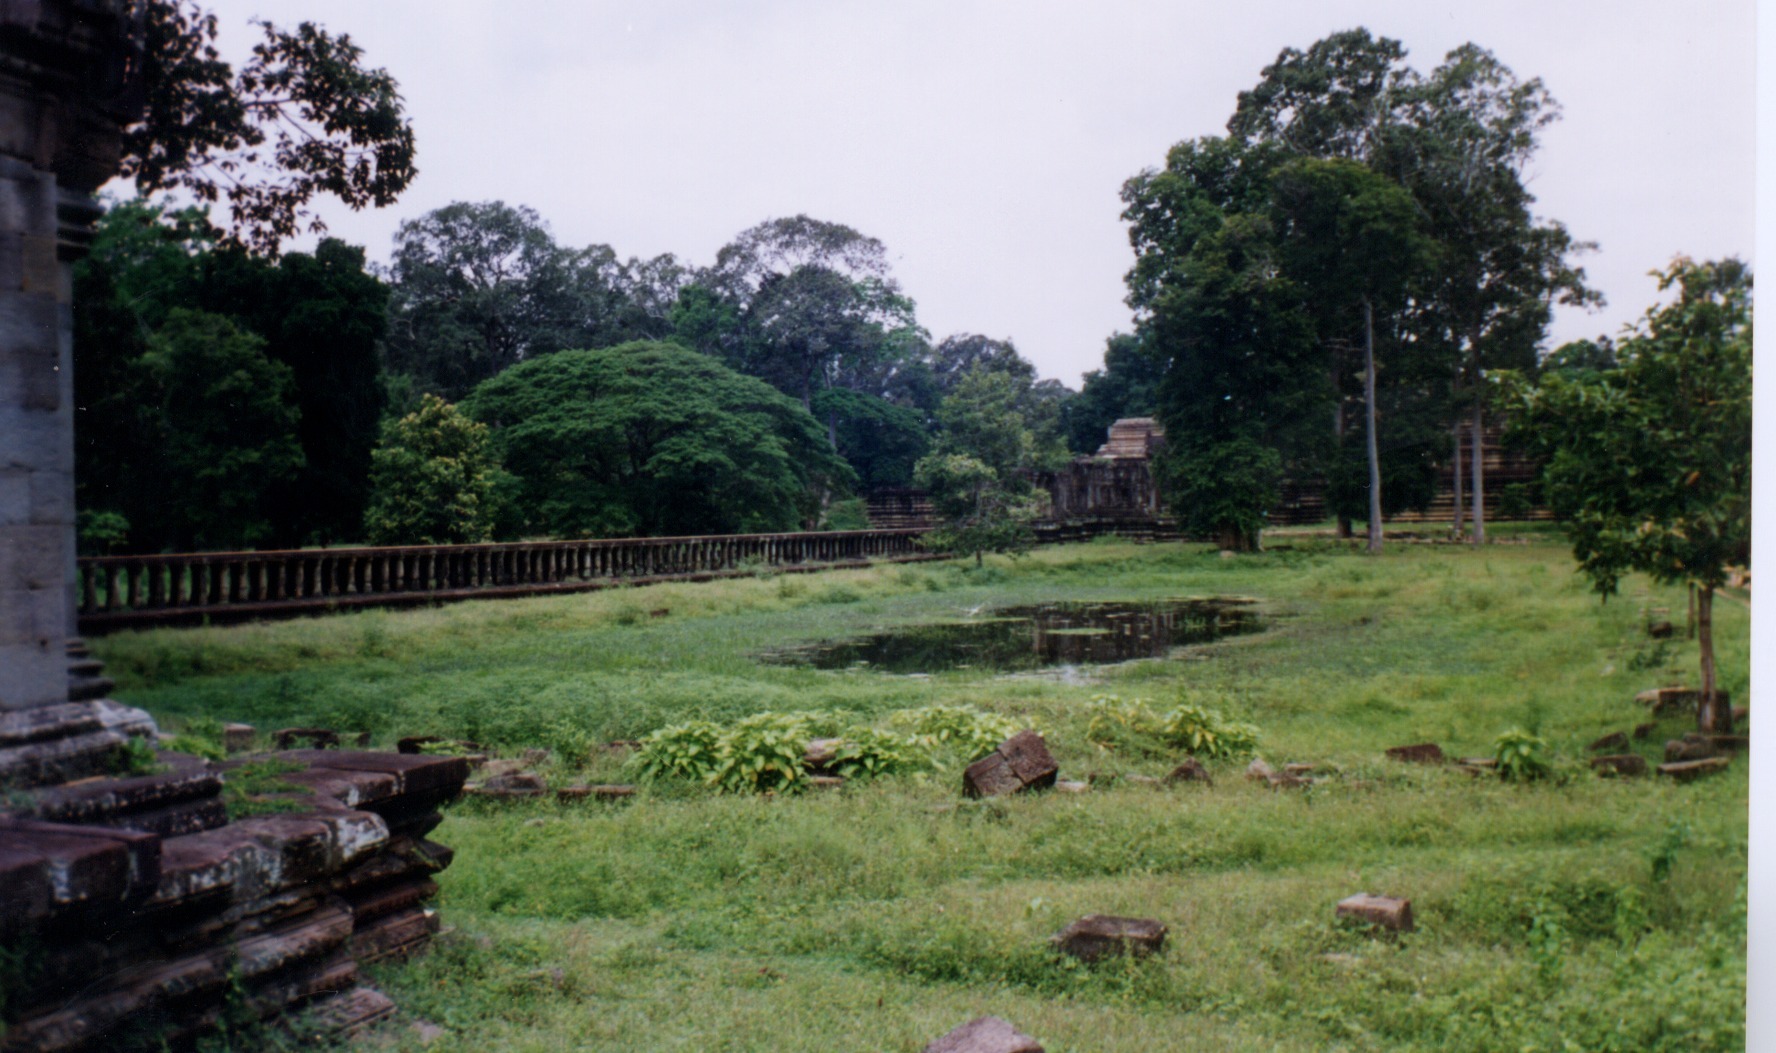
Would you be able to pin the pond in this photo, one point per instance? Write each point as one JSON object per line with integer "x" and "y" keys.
{"x": 1015, "y": 639}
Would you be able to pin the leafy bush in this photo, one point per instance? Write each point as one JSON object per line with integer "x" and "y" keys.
{"x": 765, "y": 751}
{"x": 1521, "y": 756}
{"x": 682, "y": 751}
{"x": 867, "y": 753}
{"x": 1201, "y": 731}
{"x": 1206, "y": 733}
{"x": 970, "y": 732}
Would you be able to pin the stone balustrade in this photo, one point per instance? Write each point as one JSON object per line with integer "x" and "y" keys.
{"x": 122, "y": 591}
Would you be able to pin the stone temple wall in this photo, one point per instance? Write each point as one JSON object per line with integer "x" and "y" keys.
{"x": 135, "y": 908}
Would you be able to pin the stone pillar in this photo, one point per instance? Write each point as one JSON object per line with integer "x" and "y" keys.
{"x": 65, "y": 91}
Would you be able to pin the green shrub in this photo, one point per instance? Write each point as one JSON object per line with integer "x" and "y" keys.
{"x": 1134, "y": 725}
{"x": 765, "y": 751}
{"x": 1521, "y": 756}
{"x": 867, "y": 753}
{"x": 682, "y": 751}
{"x": 1205, "y": 733}
{"x": 964, "y": 730}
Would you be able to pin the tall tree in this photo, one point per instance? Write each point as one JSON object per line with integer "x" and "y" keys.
{"x": 1242, "y": 390}
{"x": 1458, "y": 140}
{"x": 1649, "y": 464}
{"x": 1350, "y": 239}
{"x": 432, "y": 479}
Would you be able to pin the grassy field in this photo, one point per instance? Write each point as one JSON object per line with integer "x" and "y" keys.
{"x": 1572, "y": 913}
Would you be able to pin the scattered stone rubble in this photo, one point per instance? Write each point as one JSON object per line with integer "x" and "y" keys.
{"x": 986, "y": 1034}
{"x": 153, "y": 913}
{"x": 1021, "y": 762}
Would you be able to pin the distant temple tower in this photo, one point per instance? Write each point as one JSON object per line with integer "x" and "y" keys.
{"x": 1116, "y": 483}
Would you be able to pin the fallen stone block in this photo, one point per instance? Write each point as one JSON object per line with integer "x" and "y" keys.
{"x": 1282, "y": 780}
{"x": 1644, "y": 731}
{"x": 1684, "y": 771}
{"x": 1420, "y": 753}
{"x": 1679, "y": 750}
{"x": 238, "y": 738}
{"x": 1619, "y": 764}
{"x": 1098, "y": 936}
{"x": 613, "y": 792}
{"x": 986, "y": 1034}
{"x": 1385, "y": 912}
{"x": 515, "y": 782}
{"x": 1140, "y": 780}
{"x": 1676, "y": 697}
{"x": 1730, "y": 743}
{"x": 1258, "y": 770}
{"x": 1660, "y": 630}
{"x": 1021, "y": 763}
{"x": 826, "y": 782}
{"x": 1071, "y": 786}
{"x": 1741, "y": 714}
{"x": 1614, "y": 742}
{"x": 1191, "y": 770}
{"x": 1298, "y": 769}
{"x": 316, "y": 738}
{"x": 820, "y": 753}
{"x": 534, "y": 756}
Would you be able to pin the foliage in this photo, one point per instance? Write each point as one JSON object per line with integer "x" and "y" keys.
{"x": 1200, "y": 731}
{"x": 100, "y": 533}
{"x": 1127, "y": 386}
{"x": 480, "y": 286}
{"x": 1649, "y": 465}
{"x": 432, "y": 479}
{"x": 681, "y": 751}
{"x": 880, "y": 440}
{"x": 301, "y": 117}
{"x": 1521, "y": 755}
{"x": 319, "y": 316}
{"x": 867, "y": 753}
{"x": 133, "y": 756}
{"x": 258, "y": 787}
{"x": 221, "y": 416}
{"x": 967, "y": 731}
{"x": 653, "y": 439}
{"x": 980, "y": 513}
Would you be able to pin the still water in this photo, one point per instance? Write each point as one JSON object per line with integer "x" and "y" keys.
{"x": 1012, "y": 639}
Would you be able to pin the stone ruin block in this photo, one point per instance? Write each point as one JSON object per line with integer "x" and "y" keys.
{"x": 1420, "y": 753}
{"x": 1383, "y": 912}
{"x": 1022, "y": 762}
{"x": 1642, "y": 732}
{"x": 238, "y": 738}
{"x": 1259, "y": 771}
{"x": 1676, "y": 698}
{"x": 315, "y": 738}
{"x": 1191, "y": 770}
{"x": 1688, "y": 749}
{"x": 1614, "y": 742}
{"x": 1684, "y": 771}
{"x": 985, "y": 1034}
{"x": 1098, "y": 936}
{"x": 1619, "y": 764}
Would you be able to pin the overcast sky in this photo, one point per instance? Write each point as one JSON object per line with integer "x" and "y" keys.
{"x": 986, "y": 143}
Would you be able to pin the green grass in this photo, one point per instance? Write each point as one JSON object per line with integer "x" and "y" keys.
{"x": 1576, "y": 912}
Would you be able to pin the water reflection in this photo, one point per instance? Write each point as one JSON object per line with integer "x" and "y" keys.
{"x": 1011, "y": 639}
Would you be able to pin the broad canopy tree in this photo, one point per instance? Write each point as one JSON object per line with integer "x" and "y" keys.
{"x": 649, "y": 439}
{"x": 1649, "y": 464}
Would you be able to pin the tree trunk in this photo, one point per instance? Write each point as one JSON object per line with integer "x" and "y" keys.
{"x": 1369, "y": 419}
{"x": 1456, "y": 529}
{"x": 1477, "y": 477}
{"x": 1344, "y": 521}
{"x": 1711, "y": 716}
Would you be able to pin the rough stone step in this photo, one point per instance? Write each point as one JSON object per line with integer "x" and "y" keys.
{"x": 47, "y": 869}
{"x": 394, "y": 935}
{"x": 84, "y": 666}
{"x": 98, "y": 800}
{"x": 82, "y": 1023}
{"x": 174, "y": 820}
{"x": 345, "y": 1014}
{"x": 90, "y": 688}
{"x": 414, "y": 773}
{"x": 262, "y": 855}
{"x": 368, "y": 905}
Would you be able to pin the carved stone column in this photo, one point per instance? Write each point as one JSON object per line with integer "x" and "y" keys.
{"x": 66, "y": 70}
